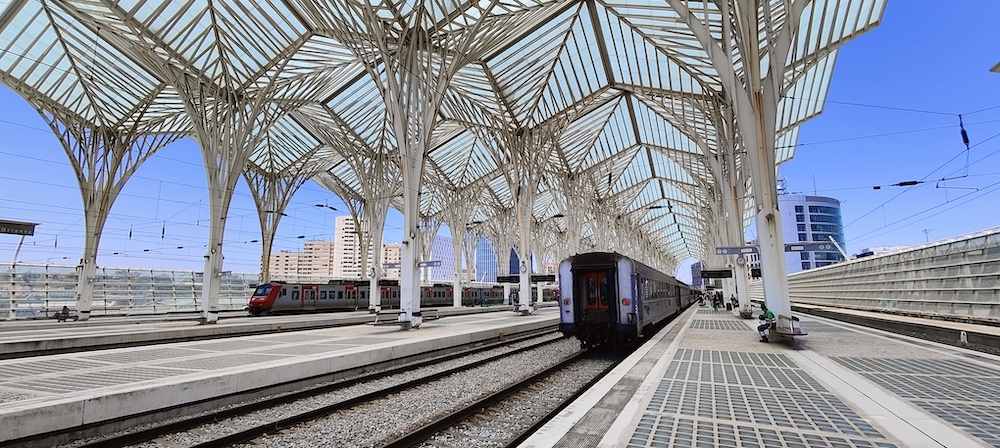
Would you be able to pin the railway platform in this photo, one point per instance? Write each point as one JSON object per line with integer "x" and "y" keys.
{"x": 706, "y": 380}
{"x": 41, "y": 394}
{"x": 22, "y": 338}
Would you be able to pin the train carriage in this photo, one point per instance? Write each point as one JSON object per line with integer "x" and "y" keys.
{"x": 610, "y": 297}
{"x": 284, "y": 297}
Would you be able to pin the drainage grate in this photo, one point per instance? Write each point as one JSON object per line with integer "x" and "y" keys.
{"x": 296, "y": 337}
{"x": 233, "y": 345}
{"x": 743, "y": 375}
{"x": 743, "y": 358}
{"x": 935, "y": 387}
{"x": 363, "y": 340}
{"x": 961, "y": 393}
{"x": 34, "y": 368}
{"x": 979, "y": 420}
{"x": 93, "y": 380}
{"x": 948, "y": 367}
{"x": 760, "y": 406}
{"x": 301, "y": 350}
{"x": 709, "y": 324}
{"x": 711, "y": 398}
{"x": 668, "y": 431}
{"x": 224, "y": 361}
{"x": 816, "y": 327}
{"x": 145, "y": 355}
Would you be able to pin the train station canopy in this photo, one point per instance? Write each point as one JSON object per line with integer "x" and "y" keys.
{"x": 633, "y": 113}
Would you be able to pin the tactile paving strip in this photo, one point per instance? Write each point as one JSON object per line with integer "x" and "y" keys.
{"x": 93, "y": 380}
{"x": 739, "y": 399}
{"x": 961, "y": 393}
{"x": 721, "y": 311}
{"x": 718, "y": 325}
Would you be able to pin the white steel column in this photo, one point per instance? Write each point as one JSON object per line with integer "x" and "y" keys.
{"x": 755, "y": 101}
{"x": 228, "y": 127}
{"x": 104, "y": 158}
{"x": 271, "y": 193}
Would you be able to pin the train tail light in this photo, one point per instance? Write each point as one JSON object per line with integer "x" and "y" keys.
{"x": 625, "y": 302}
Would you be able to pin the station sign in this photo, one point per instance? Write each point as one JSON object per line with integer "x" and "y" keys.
{"x": 429, "y": 264}
{"x": 810, "y": 247}
{"x": 737, "y": 250}
{"x": 517, "y": 278}
{"x": 17, "y": 227}
{"x": 716, "y": 273}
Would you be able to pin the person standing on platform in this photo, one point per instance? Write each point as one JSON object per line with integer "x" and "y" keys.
{"x": 768, "y": 319}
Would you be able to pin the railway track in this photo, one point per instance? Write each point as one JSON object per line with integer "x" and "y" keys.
{"x": 204, "y": 427}
{"x": 509, "y": 416}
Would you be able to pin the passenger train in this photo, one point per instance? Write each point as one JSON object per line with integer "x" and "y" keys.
{"x": 282, "y": 297}
{"x": 610, "y": 297}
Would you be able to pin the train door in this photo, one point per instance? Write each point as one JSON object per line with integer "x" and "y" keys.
{"x": 309, "y": 295}
{"x": 449, "y": 296}
{"x": 351, "y": 296}
{"x": 385, "y": 293}
{"x": 426, "y": 293}
{"x": 597, "y": 294}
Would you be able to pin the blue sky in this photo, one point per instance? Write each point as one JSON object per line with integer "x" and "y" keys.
{"x": 892, "y": 115}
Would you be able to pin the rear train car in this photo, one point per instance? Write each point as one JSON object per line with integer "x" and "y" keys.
{"x": 610, "y": 297}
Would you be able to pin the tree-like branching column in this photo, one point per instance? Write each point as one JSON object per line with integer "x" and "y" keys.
{"x": 412, "y": 57}
{"x": 228, "y": 125}
{"x": 271, "y": 193}
{"x": 104, "y": 157}
{"x": 462, "y": 205}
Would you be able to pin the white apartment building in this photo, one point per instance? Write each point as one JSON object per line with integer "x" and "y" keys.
{"x": 340, "y": 258}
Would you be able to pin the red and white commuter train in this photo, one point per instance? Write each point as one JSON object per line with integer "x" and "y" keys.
{"x": 282, "y": 297}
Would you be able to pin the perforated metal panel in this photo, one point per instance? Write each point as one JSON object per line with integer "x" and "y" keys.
{"x": 959, "y": 392}
{"x": 740, "y": 399}
{"x": 718, "y": 325}
{"x": 221, "y": 361}
{"x": 233, "y": 345}
{"x": 816, "y": 327}
{"x": 33, "y": 368}
{"x": 300, "y": 350}
{"x": 669, "y": 431}
{"x": 144, "y": 355}
{"x": 92, "y": 380}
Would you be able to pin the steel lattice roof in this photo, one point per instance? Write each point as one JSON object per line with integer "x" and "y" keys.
{"x": 644, "y": 108}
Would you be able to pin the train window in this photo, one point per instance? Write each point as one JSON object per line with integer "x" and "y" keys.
{"x": 295, "y": 295}
{"x": 604, "y": 291}
{"x": 322, "y": 295}
{"x": 340, "y": 295}
{"x": 591, "y": 291}
{"x": 284, "y": 292}
{"x": 363, "y": 294}
{"x": 395, "y": 294}
{"x": 263, "y": 290}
